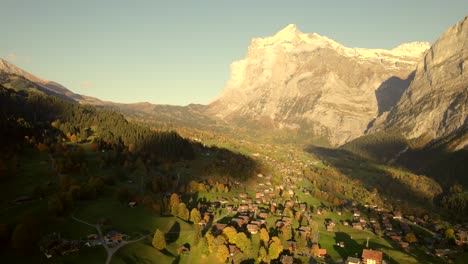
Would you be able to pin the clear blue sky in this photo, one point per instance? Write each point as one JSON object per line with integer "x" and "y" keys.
{"x": 179, "y": 52}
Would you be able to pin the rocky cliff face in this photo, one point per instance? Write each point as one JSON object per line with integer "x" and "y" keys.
{"x": 311, "y": 83}
{"x": 436, "y": 103}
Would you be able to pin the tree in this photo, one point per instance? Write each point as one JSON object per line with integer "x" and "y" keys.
{"x": 159, "y": 241}
{"x": 197, "y": 235}
{"x": 175, "y": 210}
{"x": 450, "y": 234}
{"x": 263, "y": 256}
{"x": 230, "y": 234}
{"x": 123, "y": 195}
{"x": 210, "y": 242}
{"x": 195, "y": 216}
{"x": 174, "y": 201}
{"x": 26, "y": 234}
{"x": 55, "y": 205}
{"x": 222, "y": 253}
{"x": 275, "y": 248}
{"x": 243, "y": 243}
{"x": 264, "y": 236}
{"x": 411, "y": 238}
{"x": 183, "y": 212}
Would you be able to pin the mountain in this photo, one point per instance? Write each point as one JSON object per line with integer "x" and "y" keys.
{"x": 435, "y": 105}
{"x": 13, "y": 77}
{"x": 314, "y": 85}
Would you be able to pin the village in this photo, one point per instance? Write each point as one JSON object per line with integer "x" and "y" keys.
{"x": 282, "y": 212}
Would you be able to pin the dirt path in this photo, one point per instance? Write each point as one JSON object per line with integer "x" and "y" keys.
{"x": 110, "y": 251}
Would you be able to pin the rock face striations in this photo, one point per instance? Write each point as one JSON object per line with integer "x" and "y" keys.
{"x": 312, "y": 84}
{"x": 436, "y": 103}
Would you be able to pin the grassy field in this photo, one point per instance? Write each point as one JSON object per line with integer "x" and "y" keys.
{"x": 355, "y": 241}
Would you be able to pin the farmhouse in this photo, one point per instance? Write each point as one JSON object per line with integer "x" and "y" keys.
{"x": 371, "y": 256}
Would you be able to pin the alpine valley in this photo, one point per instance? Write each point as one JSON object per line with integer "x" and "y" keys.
{"x": 313, "y": 153}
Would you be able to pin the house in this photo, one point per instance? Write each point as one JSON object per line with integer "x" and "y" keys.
{"x": 322, "y": 252}
{"x": 233, "y": 250}
{"x": 131, "y": 204}
{"x": 356, "y": 213}
{"x": 243, "y": 208}
{"x": 397, "y": 215}
{"x": 287, "y": 220}
{"x": 219, "y": 228}
{"x": 371, "y": 256}
{"x": 351, "y": 260}
{"x": 263, "y": 215}
{"x": 285, "y": 259}
{"x": 238, "y": 221}
{"x": 303, "y": 206}
{"x": 183, "y": 249}
{"x": 404, "y": 245}
{"x": 304, "y": 231}
{"x": 114, "y": 236}
{"x": 357, "y": 226}
{"x": 253, "y": 229}
{"x": 292, "y": 245}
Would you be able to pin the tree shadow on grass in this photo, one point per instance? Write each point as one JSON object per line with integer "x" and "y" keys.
{"x": 176, "y": 260}
{"x": 173, "y": 234}
{"x": 167, "y": 253}
{"x": 351, "y": 246}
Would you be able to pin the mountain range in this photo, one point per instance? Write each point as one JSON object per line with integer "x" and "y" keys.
{"x": 312, "y": 85}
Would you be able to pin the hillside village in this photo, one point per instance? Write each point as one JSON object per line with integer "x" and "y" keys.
{"x": 280, "y": 216}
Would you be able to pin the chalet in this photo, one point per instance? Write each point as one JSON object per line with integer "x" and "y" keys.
{"x": 183, "y": 249}
{"x": 442, "y": 252}
{"x": 288, "y": 220}
{"x": 397, "y": 215}
{"x": 238, "y": 221}
{"x": 356, "y": 213}
{"x": 371, "y": 256}
{"x": 233, "y": 250}
{"x": 259, "y": 195}
{"x": 292, "y": 245}
{"x": 285, "y": 259}
{"x": 357, "y": 225}
{"x": 303, "y": 206}
{"x": 322, "y": 252}
{"x": 253, "y": 229}
{"x": 219, "y": 229}
{"x": 351, "y": 260}
{"x": 243, "y": 208}
{"x": 243, "y": 195}
{"x": 131, "y": 204}
{"x": 404, "y": 245}
{"x": 341, "y": 244}
{"x": 304, "y": 231}
{"x": 396, "y": 238}
{"x": 202, "y": 222}
{"x": 263, "y": 215}
{"x": 388, "y": 226}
